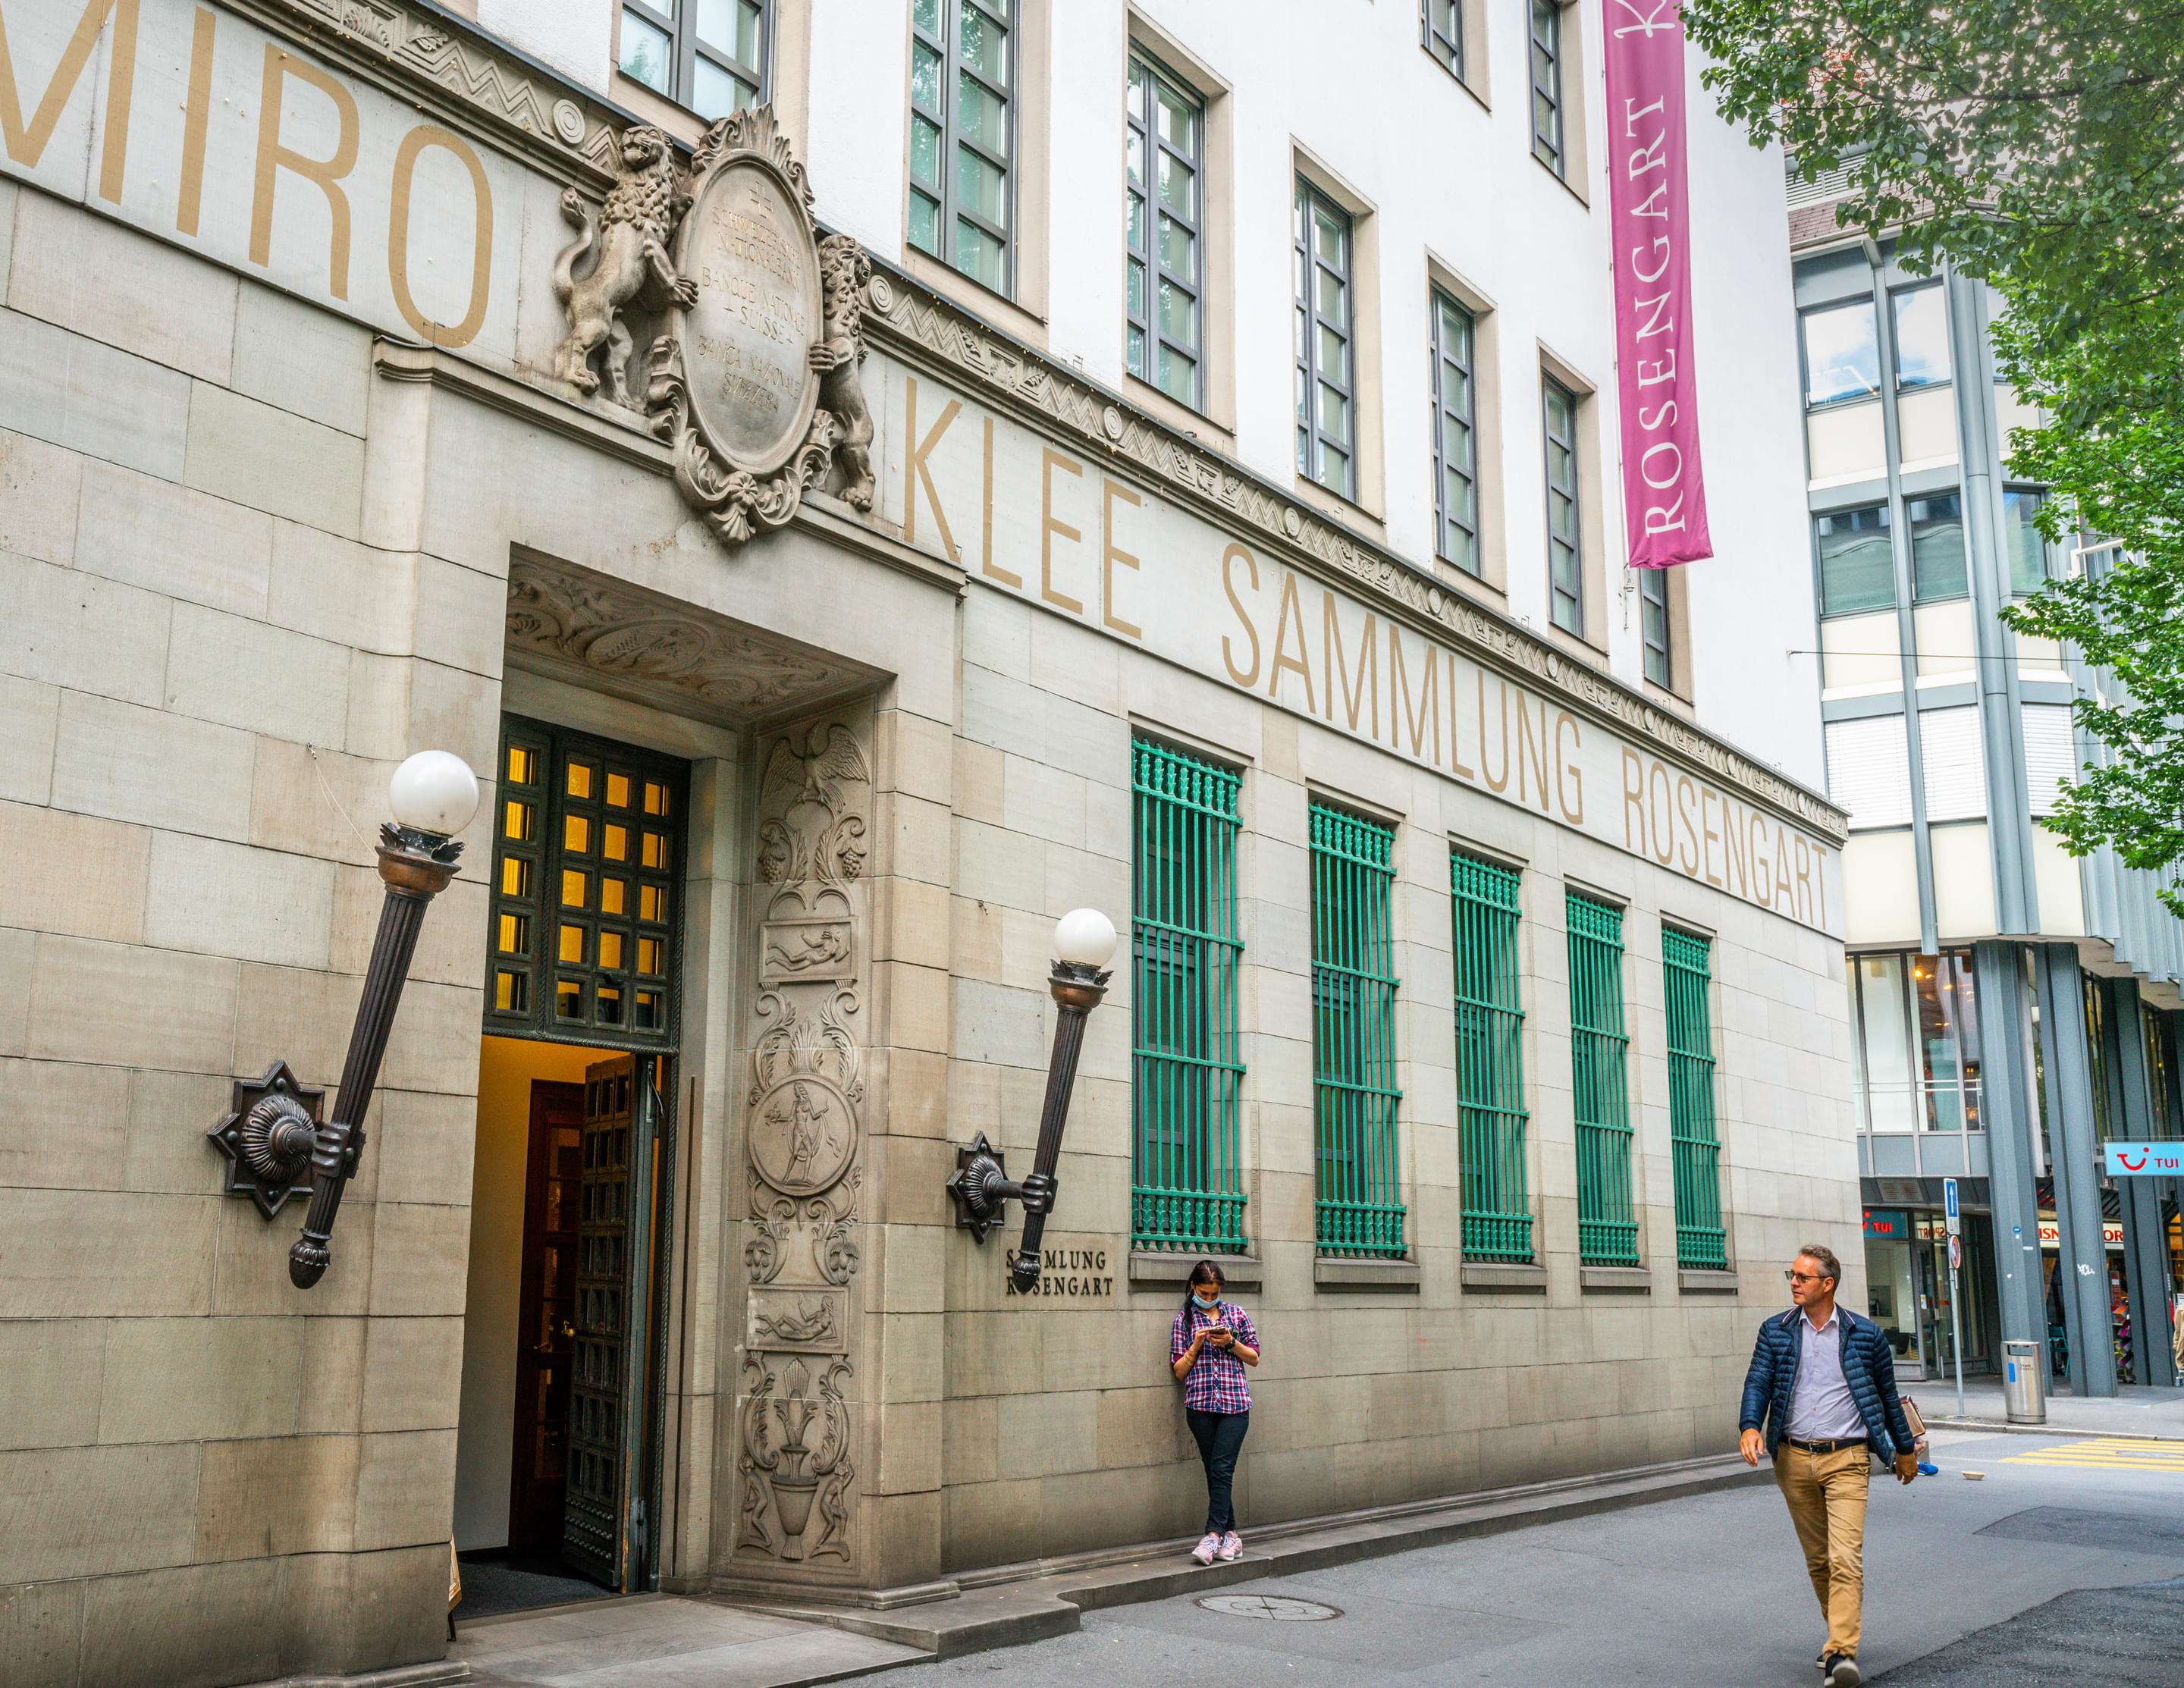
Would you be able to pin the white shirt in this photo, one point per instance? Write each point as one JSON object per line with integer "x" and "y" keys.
{"x": 1821, "y": 1409}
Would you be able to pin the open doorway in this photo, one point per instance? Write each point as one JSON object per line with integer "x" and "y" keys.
{"x": 557, "y": 1442}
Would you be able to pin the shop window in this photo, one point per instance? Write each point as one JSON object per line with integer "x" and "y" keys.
{"x": 1701, "y": 1242}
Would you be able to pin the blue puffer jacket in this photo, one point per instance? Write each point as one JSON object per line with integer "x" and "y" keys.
{"x": 1869, "y": 1367}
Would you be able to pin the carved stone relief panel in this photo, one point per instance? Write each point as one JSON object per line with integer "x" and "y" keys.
{"x": 594, "y": 630}
{"x": 803, "y": 1106}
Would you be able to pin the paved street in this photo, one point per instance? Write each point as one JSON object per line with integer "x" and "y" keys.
{"x": 1704, "y": 1592}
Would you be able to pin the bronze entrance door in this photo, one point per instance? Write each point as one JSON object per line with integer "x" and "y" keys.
{"x": 546, "y": 1319}
{"x": 584, "y": 950}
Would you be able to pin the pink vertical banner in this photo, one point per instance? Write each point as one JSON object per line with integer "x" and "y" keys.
{"x": 1649, "y": 217}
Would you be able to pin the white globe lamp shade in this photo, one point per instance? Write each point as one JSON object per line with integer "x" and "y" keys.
{"x": 434, "y": 792}
{"x": 1085, "y": 937}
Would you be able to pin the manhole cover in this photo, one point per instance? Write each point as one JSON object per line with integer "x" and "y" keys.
{"x": 1278, "y": 1608}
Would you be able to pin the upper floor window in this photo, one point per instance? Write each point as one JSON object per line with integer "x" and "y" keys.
{"x": 1858, "y": 565}
{"x": 1917, "y": 1021}
{"x": 1165, "y": 263}
{"x": 1455, "y": 446}
{"x": 1547, "y": 125}
{"x": 1326, "y": 429}
{"x": 1653, "y": 624}
{"x": 1937, "y": 547}
{"x": 1442, "y": 23}
{"x": 709, "y": 55}
{"x": 1922, "y": 338}
{"x": 1842, "y": 353}
{"x": 2028, "y": 550}
{"x": 962, "y": 66}
{"x": 1565, "y": 575}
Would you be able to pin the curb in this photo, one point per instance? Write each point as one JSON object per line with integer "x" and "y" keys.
{"x": 1996, "y": 1426}
{"x": 1046, "y": 1602}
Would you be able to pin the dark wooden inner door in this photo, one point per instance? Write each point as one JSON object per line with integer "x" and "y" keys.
{"x": 545, "y": 1341}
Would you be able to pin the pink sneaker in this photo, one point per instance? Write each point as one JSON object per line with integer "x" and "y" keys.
{"x": 1232, "y": 1546}
{"x": 1207, "y": 1549}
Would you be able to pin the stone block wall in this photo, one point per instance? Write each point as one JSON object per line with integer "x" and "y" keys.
{"x": 209, "y": 663}
{"x": 1064, "y": 1430}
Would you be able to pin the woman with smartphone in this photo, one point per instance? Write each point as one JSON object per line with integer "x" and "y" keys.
{"x": 1211, "y": 1343}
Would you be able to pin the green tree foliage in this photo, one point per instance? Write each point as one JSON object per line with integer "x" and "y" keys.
{"x": 2038, "y": 144}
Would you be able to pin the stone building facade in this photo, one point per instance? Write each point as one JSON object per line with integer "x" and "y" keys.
{"x": 366, "y": 385}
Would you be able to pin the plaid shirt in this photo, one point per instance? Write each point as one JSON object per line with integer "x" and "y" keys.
{"x": 1217, "y": 1383}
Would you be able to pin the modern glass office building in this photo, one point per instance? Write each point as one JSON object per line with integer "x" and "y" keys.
{"x": 2014, "y": 1007}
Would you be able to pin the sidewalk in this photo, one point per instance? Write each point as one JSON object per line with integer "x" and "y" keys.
{"x": 2136, "y": 1411}
{"x": 664, "y": 1641}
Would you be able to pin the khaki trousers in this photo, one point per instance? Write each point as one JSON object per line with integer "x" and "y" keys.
{"x": 1826, "y": 1496}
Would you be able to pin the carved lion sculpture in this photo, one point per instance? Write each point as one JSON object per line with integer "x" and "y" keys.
{"x": 632, "y": 263}
{"x": 843, "y": 270}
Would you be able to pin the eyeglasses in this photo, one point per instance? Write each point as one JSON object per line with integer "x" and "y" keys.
{"x": 1806, "y": 1277}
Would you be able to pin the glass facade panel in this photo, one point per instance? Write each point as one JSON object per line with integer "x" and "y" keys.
{"x": 1842, "y": 353}
{"x": 1922, "y": 338}
{"x": 1937, "y": 547}
{"x": 1857, "y": 566}
{"x": 2028, "y": 550}
{"x": 1919, "y": 1042}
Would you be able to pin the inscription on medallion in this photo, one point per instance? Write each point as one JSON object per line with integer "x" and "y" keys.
{"x": 747, "y": 340}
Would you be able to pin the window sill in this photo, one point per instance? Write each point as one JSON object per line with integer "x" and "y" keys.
{"x": 1343, "y": 509}
{"x": 1708, "y": 1282}
{"x": 1173, "y": 413}
{"x": 1670, "y": 700}
{"x": 1335, "y": 1273}
{"x": 1566, "y": 184}
{"x": 1495, "y": 1274}
{"x": 1629, "y": 1279}
{"x": 1160, "y": 1268}
{"x": 968, "y": 294}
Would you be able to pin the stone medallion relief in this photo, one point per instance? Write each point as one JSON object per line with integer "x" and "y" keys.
{"x": 755, "y": 379}
{"x": 804, "y": 1136}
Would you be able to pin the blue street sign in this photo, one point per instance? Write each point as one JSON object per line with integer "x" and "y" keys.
{"x": 1949, "y": 1203}
{"x": 2144, "y": 1160}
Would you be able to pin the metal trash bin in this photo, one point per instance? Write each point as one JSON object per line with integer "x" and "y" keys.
{"x": 2025, "y": 1383}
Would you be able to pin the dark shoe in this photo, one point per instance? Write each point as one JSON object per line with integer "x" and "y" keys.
{"x": 1843, "y": 1672}
{"x": 1820, "y": 1659}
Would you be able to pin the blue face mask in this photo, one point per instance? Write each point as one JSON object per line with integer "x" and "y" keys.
{"x": 1208, "y": 1302}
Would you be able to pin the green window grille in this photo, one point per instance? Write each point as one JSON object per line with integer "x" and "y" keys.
{"x": 1186, "y": 1181}
{"x": 1353, "y": 1038}
{"x": 1489, "y": 1073}
{"x": 1700, "y": 1242}
{"x": 1607, "y": 1227}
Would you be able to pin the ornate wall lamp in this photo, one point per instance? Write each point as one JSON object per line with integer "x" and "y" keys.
{"x": 1083, "y": 940}
{"x": 275, "y": 1135}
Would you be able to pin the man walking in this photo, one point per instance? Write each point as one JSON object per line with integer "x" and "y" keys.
{"x": 1823, "y": 1385}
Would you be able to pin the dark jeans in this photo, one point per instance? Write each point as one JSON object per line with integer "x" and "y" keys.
{"x": 1220, "y": 1437}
